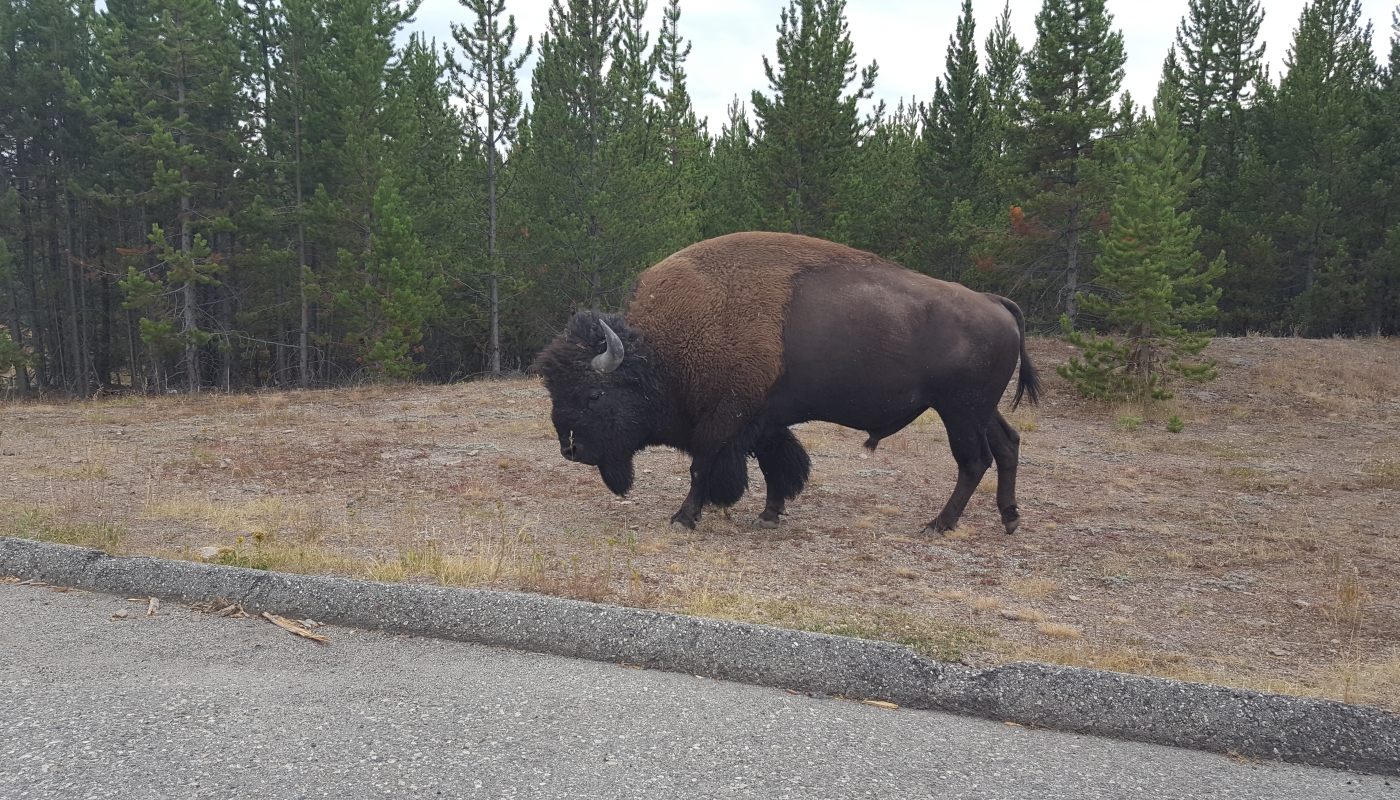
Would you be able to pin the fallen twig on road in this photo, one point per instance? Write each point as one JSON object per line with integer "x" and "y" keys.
{"x": 288, "y": 625}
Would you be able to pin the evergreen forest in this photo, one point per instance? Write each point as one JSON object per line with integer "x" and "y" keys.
{"x": 202, "y": 195}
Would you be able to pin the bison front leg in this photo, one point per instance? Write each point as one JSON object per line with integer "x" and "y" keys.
{"x": 702, "y": 467}
{"x": 1006, "y": 448}
{"x": 968, "y": 441}
{"x": 785, "y": 467}
{"x": 719, "y": 479}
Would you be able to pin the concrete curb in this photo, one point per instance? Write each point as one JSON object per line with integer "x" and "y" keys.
{"x": 1251, "y": 724}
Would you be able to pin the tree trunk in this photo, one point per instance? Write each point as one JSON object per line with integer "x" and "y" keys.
{"x": 303, "y": 348}
{"x": 491, "y": 243}
{"x": 75, "y": 343}
{"x": 187, "y": 292}
{"x": 1072, "y": 265}
{"x": 91, "y": 380}
{"x": 17, "y": 334}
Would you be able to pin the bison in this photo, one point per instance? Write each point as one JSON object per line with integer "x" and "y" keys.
{"x": 728, "y": 342}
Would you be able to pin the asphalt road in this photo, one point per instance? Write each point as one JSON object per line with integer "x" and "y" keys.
{"x": 183, "y": 704}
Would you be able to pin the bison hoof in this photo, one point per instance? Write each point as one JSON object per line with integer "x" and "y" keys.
{"x": 766, "y": 524}
{"x": 682, "y": 524}
{"x": 937, "y": 528}
{"x": 1012, "y": 525}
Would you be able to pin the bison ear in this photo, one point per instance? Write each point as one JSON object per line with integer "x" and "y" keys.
{"x": 609, "y": 361}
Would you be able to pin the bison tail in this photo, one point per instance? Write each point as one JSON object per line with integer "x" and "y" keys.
{"x": 1029, "y": 383}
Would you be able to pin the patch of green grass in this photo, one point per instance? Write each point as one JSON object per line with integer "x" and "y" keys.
{"x": 36, "y": 524}
{"x": 1130, "y": 423}
{"x": 1175, "y": 425}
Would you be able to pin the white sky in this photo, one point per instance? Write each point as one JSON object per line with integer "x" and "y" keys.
{"x": 908, "y": 38}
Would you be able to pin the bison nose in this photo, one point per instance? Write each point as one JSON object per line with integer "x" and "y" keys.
{"x": 569, "y": 451}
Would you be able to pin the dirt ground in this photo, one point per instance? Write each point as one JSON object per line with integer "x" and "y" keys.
{"x": 1257, "y": 547}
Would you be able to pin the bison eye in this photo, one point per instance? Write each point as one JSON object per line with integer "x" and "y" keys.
{"x": 594, "y": 395}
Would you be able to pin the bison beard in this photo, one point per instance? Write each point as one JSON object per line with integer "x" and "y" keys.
{"x": 617, "y": 473}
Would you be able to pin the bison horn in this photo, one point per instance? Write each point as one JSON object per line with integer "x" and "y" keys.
{"x": 609, "y": 361}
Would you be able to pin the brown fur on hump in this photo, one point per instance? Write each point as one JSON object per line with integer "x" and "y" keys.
{"x": 728, "y": 295}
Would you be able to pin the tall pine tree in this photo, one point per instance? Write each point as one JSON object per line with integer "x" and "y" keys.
{"x": 808, "y": 130}
{"x": 1156, "y": 287}
{"x": 955, "y": 154}
{"x": 1072, "y": 76}
{"x": 493, "y": 99}
{"x": 1311, "y": 178}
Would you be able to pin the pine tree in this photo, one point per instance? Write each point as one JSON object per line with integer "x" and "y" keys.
{"x": 301, "y": 37}
{"x": 493, "y": 111}
{"x": 732, "y": 205}
{"x": 955, "y": 132}
{"x": 881, "y": 209}
{"x": 1214, "y": 65}
{"x": 594, "y": 174}
{"x": 809, "y": 129}
{"x": 1155, "y": 286}
{"x": 1005, "y": 83}
{"x": 954, "y": 155}
{"x": 686, "y": 138}
{"x": 685, "y": 134}
{"x": 176, "y": 106}
{"x": 1072, "y": 76}
{"x": 1313, "y": 161}
{"x": 1215, "y": 60}
{"x": 400, "y": 294}
{"x": 50, "y": 59}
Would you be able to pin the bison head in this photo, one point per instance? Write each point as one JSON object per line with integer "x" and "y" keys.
{"x": 607, "y": 394}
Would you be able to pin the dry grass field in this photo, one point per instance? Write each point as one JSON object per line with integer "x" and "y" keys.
{"x": 1256, "y": 548}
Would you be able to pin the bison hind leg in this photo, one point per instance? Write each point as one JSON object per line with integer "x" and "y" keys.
{"x": 786, "y": 467}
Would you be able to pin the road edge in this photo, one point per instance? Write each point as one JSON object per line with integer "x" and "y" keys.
{"x": 1246, "y": 723}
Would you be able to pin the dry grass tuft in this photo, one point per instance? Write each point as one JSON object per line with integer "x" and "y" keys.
{"x": 36, "y": 522}
{"x": 927, "y": 636}
{"x": 1348, "y": 680}
{"x": 1383, "y": 473}
{"x": 84, "y": 471}
{"x": 889, "y": 511}
{"x": 1029, "y": 614}
{"x": 1349, "y": 604}
{"x": 1024, "y": 419}
{"x": 1034, "y": 588}
{"x": 980, "y": 604}
{"x": 905, "y": 573}
{"x": 1355, "y": 681}
{"x": 1060, "y": 630}
{"x": 866, "y": 523}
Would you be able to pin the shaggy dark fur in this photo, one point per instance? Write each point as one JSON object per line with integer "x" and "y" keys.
{"x": 781, "y": 458}
{"x": 602, "y": 420}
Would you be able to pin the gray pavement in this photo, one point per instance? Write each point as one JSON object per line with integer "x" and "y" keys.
{"x": 191, "y": 705}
